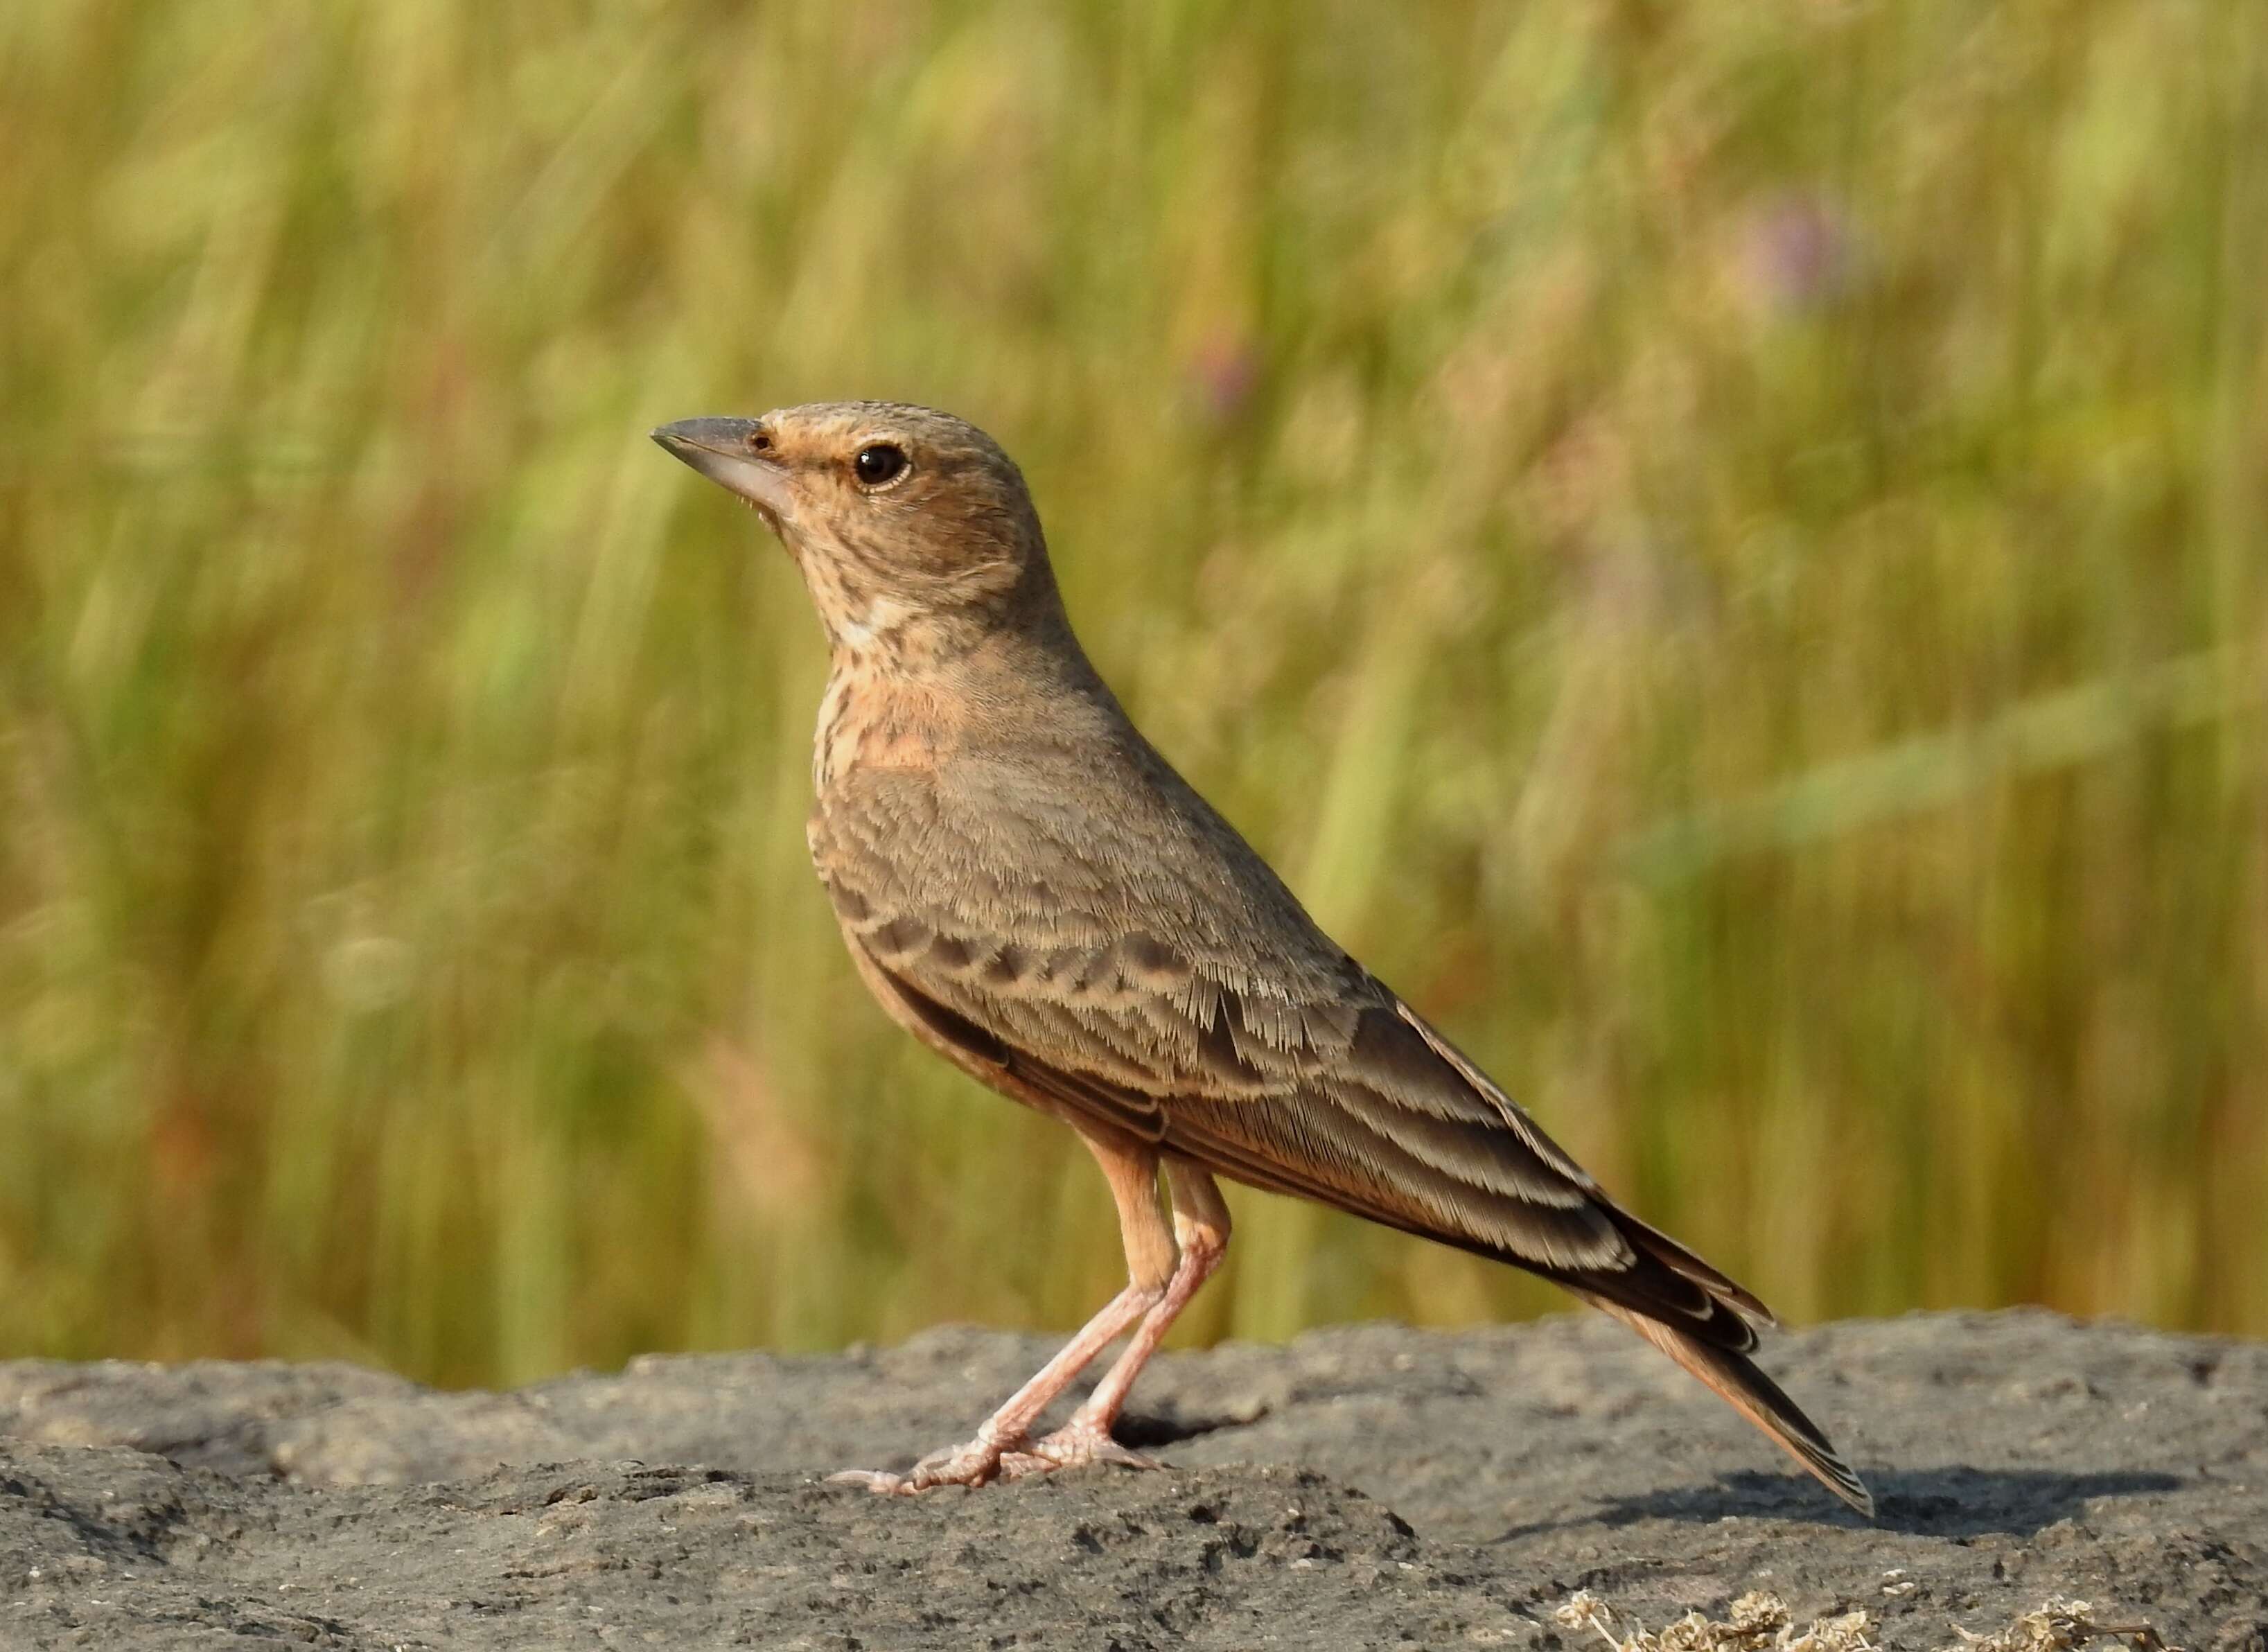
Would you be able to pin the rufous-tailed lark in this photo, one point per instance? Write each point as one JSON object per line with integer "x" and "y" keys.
{"x": 1032, "y": 891}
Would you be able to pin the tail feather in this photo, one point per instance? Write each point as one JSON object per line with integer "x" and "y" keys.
{"x": 1679, "y": 1260}
{"x": 1735, "y": 1379}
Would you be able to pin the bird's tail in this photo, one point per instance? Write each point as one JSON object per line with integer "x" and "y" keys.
{"x": 1736, "y": 1379}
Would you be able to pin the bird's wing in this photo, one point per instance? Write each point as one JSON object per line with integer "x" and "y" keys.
{"x": 1157, "y": 980}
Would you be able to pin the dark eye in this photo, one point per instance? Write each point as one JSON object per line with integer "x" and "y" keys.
{"x": 879, "y": 463}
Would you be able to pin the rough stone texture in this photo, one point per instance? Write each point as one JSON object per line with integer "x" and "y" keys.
{"x": 1372, "y": 1486}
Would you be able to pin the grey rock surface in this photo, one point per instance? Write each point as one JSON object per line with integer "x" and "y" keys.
{"x": 1371, "y": 1486}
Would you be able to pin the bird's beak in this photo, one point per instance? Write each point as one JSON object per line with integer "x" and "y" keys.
{"x": 719, "y": 449}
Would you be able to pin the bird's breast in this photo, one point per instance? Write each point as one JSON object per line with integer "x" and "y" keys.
{"x": 870, "y": 718}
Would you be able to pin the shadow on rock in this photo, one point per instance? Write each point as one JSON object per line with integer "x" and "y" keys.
{"x": 1942, "y": 1502}
{"x": 1153, "y": 1431}
{"x": 129, "y": 1518}
{"x": 1964, "y": 1502}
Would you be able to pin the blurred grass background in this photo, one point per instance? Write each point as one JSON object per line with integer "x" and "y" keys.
{"x": 1724, "y": 549}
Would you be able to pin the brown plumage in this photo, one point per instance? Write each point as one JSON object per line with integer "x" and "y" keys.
{"x": 1033, "y": 891}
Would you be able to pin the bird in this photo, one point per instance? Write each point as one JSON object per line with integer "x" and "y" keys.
{"x": 1032, "y": 890}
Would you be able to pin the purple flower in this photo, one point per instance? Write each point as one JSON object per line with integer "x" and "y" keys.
{"x": 1798, "y": 253}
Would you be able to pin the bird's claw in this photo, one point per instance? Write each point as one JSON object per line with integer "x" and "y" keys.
{"x": 876, "y": 1480}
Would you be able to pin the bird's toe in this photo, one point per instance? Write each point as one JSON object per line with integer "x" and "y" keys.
{"x": 979, "y": 1462}
{"x": 1080, "y": 1445}
{"x": 876, "y": 1480}
{"x": 1023, "y": 1465}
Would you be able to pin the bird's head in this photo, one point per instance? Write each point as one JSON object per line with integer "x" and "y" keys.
{"x": 914, "y": 532}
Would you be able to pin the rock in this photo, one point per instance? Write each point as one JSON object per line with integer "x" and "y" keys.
{"x": 1370, "y": 1486}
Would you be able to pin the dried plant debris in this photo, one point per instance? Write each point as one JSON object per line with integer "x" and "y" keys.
{"x": 2059, "y": 1624}
{"x": 1762, "y": 1622}
{"x": 1757, "y": 1622}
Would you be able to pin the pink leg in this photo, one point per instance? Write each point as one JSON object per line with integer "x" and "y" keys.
{"x": 1201, "y": 1226}
{"x": 1001, "y": 1438}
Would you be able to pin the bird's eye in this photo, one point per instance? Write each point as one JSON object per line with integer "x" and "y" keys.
{"x": 879, "y": 463}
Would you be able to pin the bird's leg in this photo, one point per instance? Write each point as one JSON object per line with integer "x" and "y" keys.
{"x": 1002, "y": 1441}
{"x": 1201, "y": 1228}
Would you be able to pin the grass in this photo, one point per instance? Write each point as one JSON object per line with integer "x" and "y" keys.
{"x": 1722, "y": 549}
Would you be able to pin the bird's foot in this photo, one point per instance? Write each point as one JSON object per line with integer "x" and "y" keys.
{"x": 981, "y": 1462}
{"x": 1079, "y": 1444}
